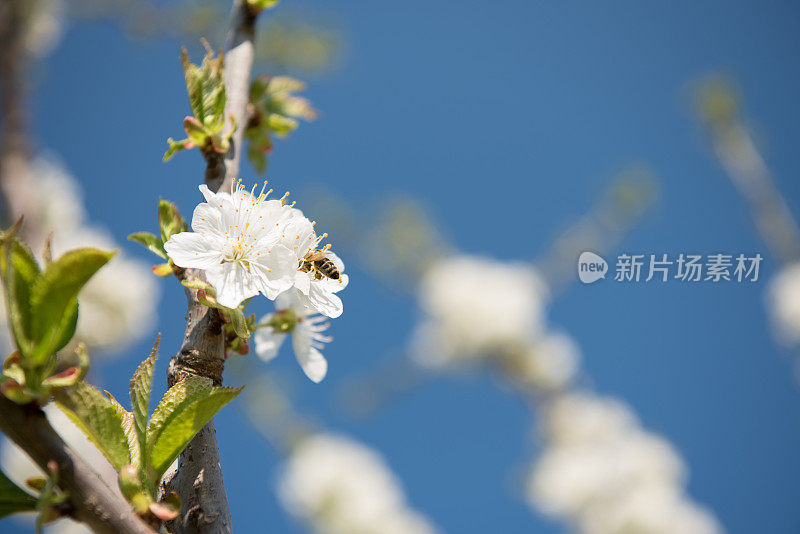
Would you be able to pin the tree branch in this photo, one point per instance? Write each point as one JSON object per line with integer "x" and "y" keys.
{"x": 13, "y": 132}
{"x": 198, "y": 475}
{"x": 93, "y": 502}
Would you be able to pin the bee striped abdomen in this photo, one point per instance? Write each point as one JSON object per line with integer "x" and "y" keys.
{"x": 322, "y": 267}
{"x": 326, "y": 267}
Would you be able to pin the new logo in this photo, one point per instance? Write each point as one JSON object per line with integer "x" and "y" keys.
{"x": 591, "y": 267}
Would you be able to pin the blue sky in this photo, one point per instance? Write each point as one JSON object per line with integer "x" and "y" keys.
{"x": 508, "y": 118}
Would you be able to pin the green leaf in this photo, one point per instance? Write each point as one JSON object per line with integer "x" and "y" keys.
{"x": 140, "y": 397}
{"x": 131, "y": 488}
{"x": 206, "y": 87}
{"x": 151, "y": 242}
{"x": 127, "y": 427}
{"x": 238, "y": 322}
{"x": 281, "y": 125}
{"x": 170, "y": 221}
{"x": 259, "y": 5}
{"x": 207, "y": 299}
{"x": 197, "y": 132}
{"x": 257, "y": 158}
{"x": 67, "y": 377}
{"x": 12, "y": 368}
{"x": 20, "y": 273}
{"x": 185, "y": 408}
{"x": 176, "y": 146}
{"x": 14, "y": 499}
{"x": 54, "y": 298}
{"x": 279, "y": 85}
{"x": 294, "y": 106}
{"x": 69, "y": 325}
{"x": 258, "y": 87}
{"x": 162, "y": 269}
{"x": 98, "y": 418}
{"x": 196, "y": 283}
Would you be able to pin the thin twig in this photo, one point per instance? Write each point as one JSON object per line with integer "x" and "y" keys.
{"x": 93, "y": 502}
{"x": 240, "y": 51}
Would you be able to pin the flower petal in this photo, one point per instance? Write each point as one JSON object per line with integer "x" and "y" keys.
{"x": 284, "y": 300}
{"x": 334, "y": 286}
{"x": 322, "y": 301}
{"x": 233, "y": 283}
{"x": 207, "y": 219}
{"x": 310, "y": 359}
{"x": 273, "y": 273}
{"x": 302, "y": 281}
{"x": 298, "y": 235}
{"x": 208, "y": 194}
{"x": 268, "y": 342}
{"x": 192, "y": 250}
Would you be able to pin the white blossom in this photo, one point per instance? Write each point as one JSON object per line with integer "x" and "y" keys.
{"x": 603, "y": 472}
{"x": 340, "y": 486}
{"x": 783, "y": 303}
{"x": 654, "y": 508}
{"x": 476, "y": 307}
{"x": 311, "y": 289}
{"x": 44, "y": 25}
{"x": 570, "y": 478}
{"x": 306, "y": 329}
{"x": 576, "y": 418}
{"x": 236, "y": 241}
{"x": 248, "y": 244}
{"x": 118, "y": 304}
{"x": 549, "y": 363}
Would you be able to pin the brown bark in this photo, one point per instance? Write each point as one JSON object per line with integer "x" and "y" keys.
{"x": 198, "y": 476}
{"x": 92, "y": 501}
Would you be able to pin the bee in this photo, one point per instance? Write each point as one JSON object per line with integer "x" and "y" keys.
{"x": 318, "y": 263}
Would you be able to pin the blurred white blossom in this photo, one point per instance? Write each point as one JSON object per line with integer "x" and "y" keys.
{"x": 44, "y": 24}
{"x": 651, "y": 509}
{"x": 476, "y": 307}
{"x": 603, "y": 472}
{"x": 340, "y": 486}
{"x": 783, "y": 303}
{"x": 549, "y": 363}
{"x": 19, "y": 467}
{"x": 118, "y": 304}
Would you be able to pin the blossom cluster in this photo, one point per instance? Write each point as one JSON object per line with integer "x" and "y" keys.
{"x": 248, "y": 244}
{"x": 477, "y": 309}
{"x": 340, "y": 486}
{"x": 118, "y": 304}
{"x": 605, "y": 474}
{"x": 599, "y": 469}
{"x": 475, "y": 306}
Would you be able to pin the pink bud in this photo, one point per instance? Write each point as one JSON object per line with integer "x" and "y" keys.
{"x": 163, "y": 512}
